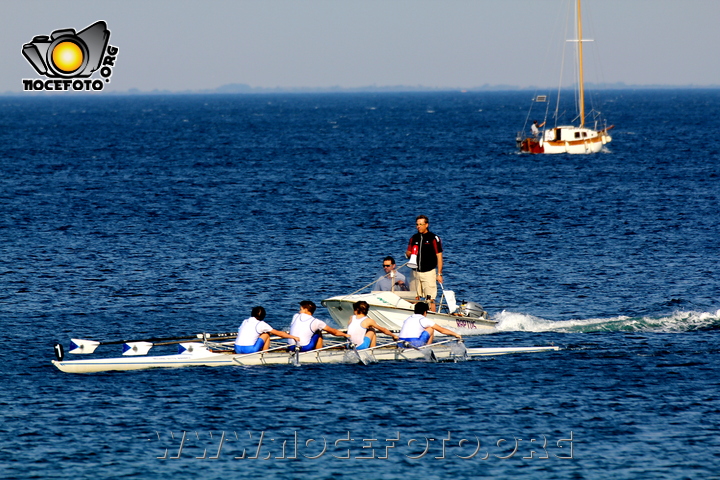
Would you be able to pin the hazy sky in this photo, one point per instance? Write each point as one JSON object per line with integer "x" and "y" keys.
{"x": 190, "y": 45}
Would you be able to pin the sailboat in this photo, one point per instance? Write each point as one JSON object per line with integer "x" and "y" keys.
{"x": 574, "y": 139}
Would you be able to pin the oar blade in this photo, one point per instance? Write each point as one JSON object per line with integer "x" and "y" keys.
{"x": 352, "y": 355}
{"x": 296, "y": 356}
{"x": 79, "y": 346}
{"x": 458, "y": 351}
{"x": 136, "y": 348}
{"x": 367, "y": 357}
{"x": 191, "y": 347}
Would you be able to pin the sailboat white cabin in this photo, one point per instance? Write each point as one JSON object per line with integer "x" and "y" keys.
{"x": 573, "y": 139}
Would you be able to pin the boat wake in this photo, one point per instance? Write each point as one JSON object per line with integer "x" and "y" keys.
{"x": 678, "y": 322}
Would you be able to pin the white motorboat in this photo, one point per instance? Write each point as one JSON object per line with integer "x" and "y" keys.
{"x": 390, "y": 308}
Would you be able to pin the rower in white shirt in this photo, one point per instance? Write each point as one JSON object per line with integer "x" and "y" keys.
{"x": 418, "y": 330}
{"x": 362, "y": 329}
{"x": 254, "y": 333}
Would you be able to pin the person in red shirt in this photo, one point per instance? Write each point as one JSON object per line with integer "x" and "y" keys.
{"x": 428, "y": 248}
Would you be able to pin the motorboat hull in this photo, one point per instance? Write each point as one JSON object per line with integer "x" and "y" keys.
{"x": 390, "y": 310}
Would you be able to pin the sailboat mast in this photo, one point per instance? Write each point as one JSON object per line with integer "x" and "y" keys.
{"x": 581, "y": 82}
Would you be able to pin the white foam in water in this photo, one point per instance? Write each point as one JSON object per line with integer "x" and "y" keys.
{"x": 677, "y": 322}
{"x": 685, "y": 321}
{"x": 511, "y": 321}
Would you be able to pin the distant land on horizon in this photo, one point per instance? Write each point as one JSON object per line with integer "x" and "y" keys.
{"x": 242, "y": 88}
{"x": 247, "y": 89}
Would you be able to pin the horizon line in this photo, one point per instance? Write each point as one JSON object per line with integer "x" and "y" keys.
{"x": 241, "y": 88}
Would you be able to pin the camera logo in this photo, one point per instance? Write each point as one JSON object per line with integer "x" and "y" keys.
{"x": 70, "y": 56}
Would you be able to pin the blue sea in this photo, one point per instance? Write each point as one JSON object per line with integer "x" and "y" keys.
{"x": 127, "y": 217}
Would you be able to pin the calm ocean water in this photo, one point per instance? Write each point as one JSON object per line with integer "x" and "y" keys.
{"x": 142, "y": 216}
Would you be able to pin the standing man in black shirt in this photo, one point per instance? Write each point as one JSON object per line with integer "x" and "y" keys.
{"x": 428, "y": 248}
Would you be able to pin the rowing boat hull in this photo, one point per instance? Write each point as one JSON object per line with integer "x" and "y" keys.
{"x": 390, "y": 311}
{"x": 200, "y": 356}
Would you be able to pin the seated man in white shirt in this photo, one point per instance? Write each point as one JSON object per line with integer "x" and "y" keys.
{"x": 392, "y": 279}
{"x": 362, "y": 328}
{"x": 254, "y": 333}
{"x": 308, "y": 329}
{"x": 418, "y": 330}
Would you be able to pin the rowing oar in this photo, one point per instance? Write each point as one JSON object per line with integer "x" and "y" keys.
{"x": 296, "y": 359}
{"x": 239, "y": 356}
{"x": 424, "y": 349}
{"x": 370, "y": 350}
{"x": 461, "y": 351}
{"x": 384, "y": 345}
{"x": 458, "y": 349}
{"x": 296, "y": 356}
{"x": 80, "y": 346}
{"x": 352, "y": 347}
